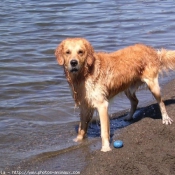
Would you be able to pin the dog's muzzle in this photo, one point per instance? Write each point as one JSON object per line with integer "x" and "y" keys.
{"x": 74, "y": 66}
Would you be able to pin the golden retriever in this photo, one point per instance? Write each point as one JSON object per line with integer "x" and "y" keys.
{"x": 96, "y": 77}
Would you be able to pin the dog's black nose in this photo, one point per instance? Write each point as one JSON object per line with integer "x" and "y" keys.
{"x": 73, "y": 63}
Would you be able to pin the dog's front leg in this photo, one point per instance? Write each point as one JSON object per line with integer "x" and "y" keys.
{"x": 105, "y": 127}
{"x": 85, "y": 117}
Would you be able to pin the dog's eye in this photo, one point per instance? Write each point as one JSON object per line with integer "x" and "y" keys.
{"x": 80, "y": 52}
{"x": 68, "y": 52}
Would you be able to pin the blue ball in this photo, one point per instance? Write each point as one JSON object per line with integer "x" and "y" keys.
{"x": 118, "y": 144}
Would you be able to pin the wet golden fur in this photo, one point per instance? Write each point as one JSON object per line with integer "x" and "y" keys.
{"x": 97, "y": 77}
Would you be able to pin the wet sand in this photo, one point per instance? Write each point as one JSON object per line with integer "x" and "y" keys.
{"x": 149, "y": 146}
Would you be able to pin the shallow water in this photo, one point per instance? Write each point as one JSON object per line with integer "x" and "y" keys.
{"x": 37, "y": 112}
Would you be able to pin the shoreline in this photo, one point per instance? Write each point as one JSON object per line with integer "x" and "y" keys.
{"x": 148, "y": 144}
{"x": 148, "y": 147}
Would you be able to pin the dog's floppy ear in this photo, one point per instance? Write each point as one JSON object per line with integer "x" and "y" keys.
{"x": 90, "y": 57}
{"x": 59, "y": 54}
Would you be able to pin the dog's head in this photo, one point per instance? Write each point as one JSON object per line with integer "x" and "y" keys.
{"x": 74, "y": 54}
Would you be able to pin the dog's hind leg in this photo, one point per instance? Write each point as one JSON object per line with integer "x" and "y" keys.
{"x": 130, "y": 93}
{"x": 153, "y": 85}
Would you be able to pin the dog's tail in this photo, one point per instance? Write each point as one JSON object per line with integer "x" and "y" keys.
{"x": 167, "y": 59}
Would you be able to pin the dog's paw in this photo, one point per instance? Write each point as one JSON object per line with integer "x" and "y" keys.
{"x": 106, "y": 148}
{"x": 78, "y": 138}
{"x": 128, "y": 117}
{"x": 167, "y": 120}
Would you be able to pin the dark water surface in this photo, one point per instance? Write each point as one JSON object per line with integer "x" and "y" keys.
{"x": 37, "y": 112}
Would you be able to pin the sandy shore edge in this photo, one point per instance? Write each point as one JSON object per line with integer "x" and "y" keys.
{"x": 149, "y": 146}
